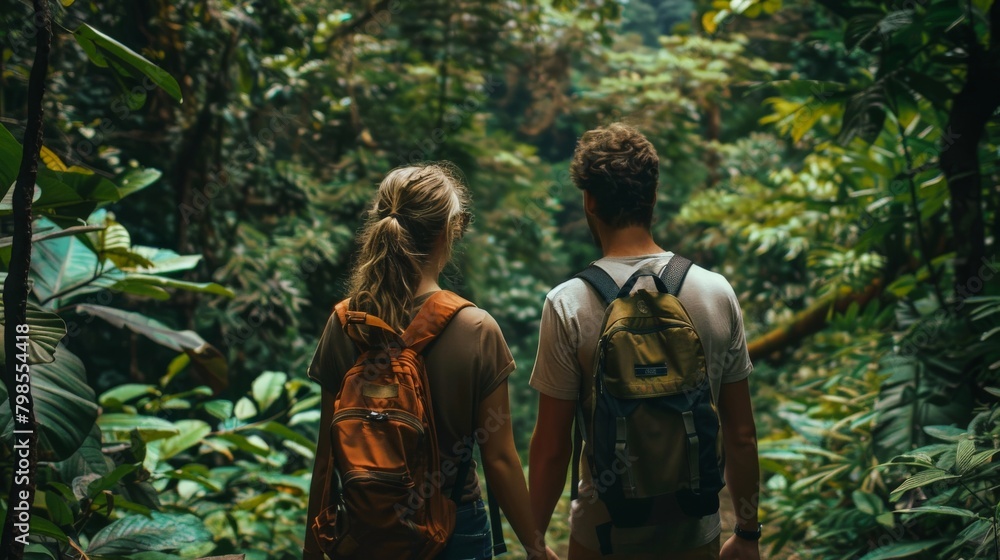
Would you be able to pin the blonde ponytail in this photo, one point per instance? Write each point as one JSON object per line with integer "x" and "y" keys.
{"x": 414, "y": 206}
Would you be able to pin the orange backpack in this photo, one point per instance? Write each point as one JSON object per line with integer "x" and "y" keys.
{"x": 390, "y": 502}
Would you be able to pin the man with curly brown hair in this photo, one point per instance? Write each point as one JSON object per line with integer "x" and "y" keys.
{"x": 617, "y": 169}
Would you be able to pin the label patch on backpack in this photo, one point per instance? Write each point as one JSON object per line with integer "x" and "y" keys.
{"x": 376, "y": 391}
{"x": 650, "y": 371}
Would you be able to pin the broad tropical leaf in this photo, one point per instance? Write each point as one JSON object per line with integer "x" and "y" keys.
{"x": 160, "y": 531}
{"x": 65, "y": 407}
{"x": 103, "y": 50}
{"x": 207, "y": 359}
{"x": 46, "y": 330}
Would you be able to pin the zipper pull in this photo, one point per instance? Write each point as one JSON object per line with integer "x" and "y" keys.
{"x": 376, "y": 416}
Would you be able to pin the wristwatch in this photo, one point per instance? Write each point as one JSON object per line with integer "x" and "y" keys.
{"x": 748, "y": 535}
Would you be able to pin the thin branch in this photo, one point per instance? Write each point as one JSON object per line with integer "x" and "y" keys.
{"x": 73, "y": 230}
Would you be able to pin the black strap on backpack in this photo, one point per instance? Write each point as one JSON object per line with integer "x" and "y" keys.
{"x": 674, "y": 273}
{"x": 496, "y": 527}
{"x": 608, "y": 289}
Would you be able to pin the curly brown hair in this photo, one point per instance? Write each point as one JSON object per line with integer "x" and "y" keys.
{"x": 618, "y": 166}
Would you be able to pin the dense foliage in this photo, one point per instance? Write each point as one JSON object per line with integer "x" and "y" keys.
{"x": 206, "y": 164}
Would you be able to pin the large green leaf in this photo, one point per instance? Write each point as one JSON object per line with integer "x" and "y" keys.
{"x": 135, "y": 180}
{"x": 160, "y": 531}
{"x": 165, "y": 260}
{"x": 102, "y": 50}
{"x": 64, "y": 268}
{"x": 940, "y": 510}
{"x": 209, "y": 363}
{"x": 65, "y": 407}
{"x": 191, "y": 433}
{"x": 144, "y": 289}
{"x": 919, "y": 479}
{"x": 45, "y": 330}
{"x": 180, "y": 341}
{"x": 69, "y": 197}
{"x": 115, "y": 244}
{"x": 114, "y": 398}
{"x": 118, "y": 426}
{"x": 267, "y": 388}
{"x": 165, "y": 282}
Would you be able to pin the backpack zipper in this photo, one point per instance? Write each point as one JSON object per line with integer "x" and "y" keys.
{"x": 391, "y": 477}
{"x": 379, "y": 416}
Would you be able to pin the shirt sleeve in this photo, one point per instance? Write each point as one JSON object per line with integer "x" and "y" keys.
{"x": 737, "y": 365}
{"x": 496, "y": 361}
{"x": 333, "y": 351}
{"x": 556, "y": 372}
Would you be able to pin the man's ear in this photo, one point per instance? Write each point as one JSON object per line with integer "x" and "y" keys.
{"x": 589, "y": 203}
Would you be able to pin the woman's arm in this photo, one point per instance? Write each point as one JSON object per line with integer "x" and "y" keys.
{"x": 503, "y": 470}
{"x": 322, "y": 470}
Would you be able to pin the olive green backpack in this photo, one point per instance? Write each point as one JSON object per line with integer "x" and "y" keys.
{"x": 651, "y": 424}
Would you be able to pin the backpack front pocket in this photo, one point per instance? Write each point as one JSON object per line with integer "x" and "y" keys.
{"x": 377, "y": 440}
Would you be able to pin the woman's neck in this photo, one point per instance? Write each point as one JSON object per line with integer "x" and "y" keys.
{"x": 427, "y": 284}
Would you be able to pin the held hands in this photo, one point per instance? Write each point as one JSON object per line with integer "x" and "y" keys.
{"x": 545, "y": 553}
{"x": 739, "y": 549}
{"x": 539, "y": 550}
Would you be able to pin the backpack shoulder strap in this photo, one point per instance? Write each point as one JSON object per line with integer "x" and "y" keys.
{"x": 674, "y": 273}
{"x": 601, "y": 281}
{"x": 352, "y": 319}
{"x": 432, "y": 318}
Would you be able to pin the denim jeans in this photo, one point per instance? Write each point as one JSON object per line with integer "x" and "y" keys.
{"x": 471, "y": 539}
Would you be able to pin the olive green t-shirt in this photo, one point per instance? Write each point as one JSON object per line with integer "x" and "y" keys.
{"x": 467, "y": 362}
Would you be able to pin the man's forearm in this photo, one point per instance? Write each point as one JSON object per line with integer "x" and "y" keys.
{"x": 546, "y": 480}
{"x": 743, "y": 479}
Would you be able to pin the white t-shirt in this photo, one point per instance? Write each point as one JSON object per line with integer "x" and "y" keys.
{"x": 569, "y": 332}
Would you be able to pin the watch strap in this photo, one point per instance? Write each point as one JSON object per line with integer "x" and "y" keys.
{"x": 748, "y": 535}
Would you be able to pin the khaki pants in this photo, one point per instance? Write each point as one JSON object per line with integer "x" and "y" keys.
{"x": 708, "y": 551}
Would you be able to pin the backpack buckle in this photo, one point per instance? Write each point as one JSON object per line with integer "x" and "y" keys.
{"x": 356, "y": 317}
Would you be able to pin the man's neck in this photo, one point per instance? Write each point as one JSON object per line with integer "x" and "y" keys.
{"x": 629, "y": 241}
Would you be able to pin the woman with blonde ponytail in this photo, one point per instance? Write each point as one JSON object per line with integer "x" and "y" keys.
{"x": 419, "y": 212}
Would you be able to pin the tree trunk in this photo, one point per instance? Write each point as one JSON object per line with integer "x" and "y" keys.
{"x": 15, "y": 298}
{"x": 970, "y": 110}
